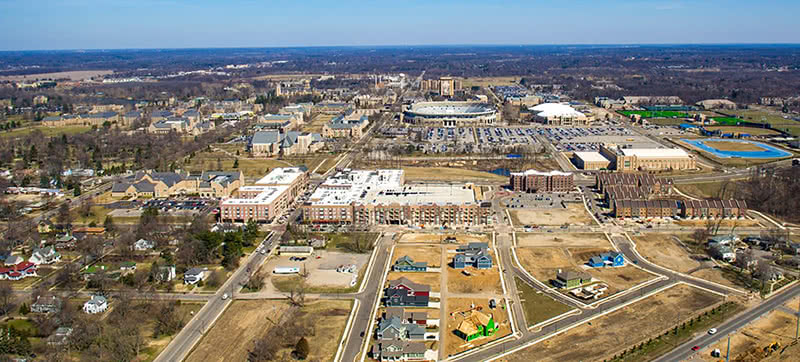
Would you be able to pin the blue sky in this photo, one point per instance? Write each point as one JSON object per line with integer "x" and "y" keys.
{"x": 105, "y": 24}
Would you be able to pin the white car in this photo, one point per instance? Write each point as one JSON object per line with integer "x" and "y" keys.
{"x": 712, "y": 331}
{"x": 225, "y": 296}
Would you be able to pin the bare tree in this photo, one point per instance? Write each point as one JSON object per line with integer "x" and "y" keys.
{"x": 297, "y": 295}
{"x": 6, "y": 297}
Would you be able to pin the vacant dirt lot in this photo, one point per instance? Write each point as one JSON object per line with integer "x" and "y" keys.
{"x": 748, "y": 343}
{"x": 627, "y": 326}
{"x": 431, "y": 279}
{"x": 438, "y": 238}
{"x": 486, "y": 281}
{"x": 663, "y": 250}
{"x": 454, "y": 343}
{"x": 574, "y": 214}
{"x": 234, "y": 332}
{"x": 322, "y": 272}
{"x": 448, "y": 174}
{"x": 725, "y": 223}
{"x": 245, "y": 321}
{"x": 563, "y": 240}
{"x": 430, "y": 254}
{"x": 543, "y": 263}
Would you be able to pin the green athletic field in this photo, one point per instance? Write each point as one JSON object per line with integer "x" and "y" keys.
{"x": 656, "y": 114}
{"x": 731, "y": 121}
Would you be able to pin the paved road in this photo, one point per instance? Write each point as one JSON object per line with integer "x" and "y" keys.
{"x": 179, "y": 348}
{"x": 684, "y": 351}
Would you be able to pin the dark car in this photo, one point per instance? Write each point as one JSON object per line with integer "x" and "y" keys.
{"x": 695, "y": 348}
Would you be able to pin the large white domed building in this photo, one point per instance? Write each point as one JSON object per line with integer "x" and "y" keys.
{"x": 559, "y": 114}
{"x": 451, "y": 114}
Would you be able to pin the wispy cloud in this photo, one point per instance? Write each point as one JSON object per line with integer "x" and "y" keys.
{"x": 673, "y": 5}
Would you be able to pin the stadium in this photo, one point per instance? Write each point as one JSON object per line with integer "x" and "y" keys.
{"x": 450, "y": 114}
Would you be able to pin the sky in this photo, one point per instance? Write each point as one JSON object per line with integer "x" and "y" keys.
{"x": 114, "y": 24}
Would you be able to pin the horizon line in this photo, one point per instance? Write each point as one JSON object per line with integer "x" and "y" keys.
{"x": 408, "y": 46}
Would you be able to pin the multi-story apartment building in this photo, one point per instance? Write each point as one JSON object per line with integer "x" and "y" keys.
{"x": 380, "y": 197}
{"x": 164, "y": 184}
{"x": 537, "y": 181}
{"x": 268, "y": 198}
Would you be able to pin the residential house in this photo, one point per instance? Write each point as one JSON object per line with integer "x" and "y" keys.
{"x": 613, "y": 258}
{"x": 194, "y": 276}
{"x": 571, "y": 279}
{"x": 47, "y": 255}
{"x": 723, "y": 239}
{"x": 405, "y": 293}
{"x": 97, "y": 304}
{"x": 13, "y": 260}
{"x": 399, "y": 351}
{"x": 46, "y": 304}
{"x": 723, "y": 252}
{"x": 396, "y": 329}
{"x": 59, "y": 336}
{"x": 44, "y": 227}
{"x": 166, "y": 273}
{"x": 406, "y": 264}
{"x": 410, "y": 287}
{"x": 420, "y": 318}
{"x": 475, "y": 255}
{"x": 143, "y": 245}
{"x": 127, "y": 267}
{"x": 476, "y": 325}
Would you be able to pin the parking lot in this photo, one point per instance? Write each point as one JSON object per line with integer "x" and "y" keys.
{"x": 184, "y": 206}
{"x": 591, "y": 138}
{"x": 324, "y": 268}
{"x": 539, "y": 201}
{"x": 472, "y": 140}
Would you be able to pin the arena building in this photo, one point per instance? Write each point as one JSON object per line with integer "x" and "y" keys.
{"x": 632, "y": 159}
{"x": 451, "y": 114}
{"x": 590, "y": 160}
{"x": 536, "y": 181}
{"x": 380, "y": 197}
{"x": 559, "y": 114}
{"x": 268, "y": 198}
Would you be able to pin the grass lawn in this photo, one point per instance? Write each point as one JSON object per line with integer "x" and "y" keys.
{"x": 773, "y": 118}
{"x": 47, "y": 131}
{"x": 538, "y": 307}
{"x": 653, "y": 348}
{"x": 21, "y": 325}
{"x": 708, "y": 189}
{"x": 738, "y": 130}
{"x": 449, "y": 174}
{"x": 667, "y": 121}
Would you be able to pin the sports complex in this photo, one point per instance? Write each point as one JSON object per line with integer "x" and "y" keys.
{"x": 450, "y": 114}
{"x": 736, "y": 148}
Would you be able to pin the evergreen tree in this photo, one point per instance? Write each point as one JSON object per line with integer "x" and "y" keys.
{"x": 302, "y": 349}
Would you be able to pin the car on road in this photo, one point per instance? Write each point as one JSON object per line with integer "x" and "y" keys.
{"x": 225, "y": 296}
{"x": 712, "y": 331}
{"x": 695, "y": 348}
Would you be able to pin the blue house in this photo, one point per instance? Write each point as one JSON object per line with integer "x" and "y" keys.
{"x": 479, "y": 260}
{"x": 406, "y": 264}
{"x": 607, "y": 259}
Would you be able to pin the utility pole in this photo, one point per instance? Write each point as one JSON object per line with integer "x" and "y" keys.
{"x": 797, "y": 331}
{"x": 728, "y": 353}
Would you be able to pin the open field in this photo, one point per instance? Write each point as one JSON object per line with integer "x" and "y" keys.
{"x": 252, "y": 168}
{"x": 538, "y": 306}
{"x": 563, "y": 240}
{"x": 73, "y": 75}
{"x": 448, "y": 174}
{"x": 46, "y": 131}
{"x": 628, "y": 326}
{"x": 666, "y": 121}
{"x": 663, "y": 250}
{"x": 656, "y": 114}
{"x": 773, "y": 118}
{"x": 574, "y": 214}
{"x": 543, "y": 263}
{"x": 438, "y": 238}
{"x": 727, "y": 223}
{"x": 321, "y": 272}
{"x": 733, "y": 146}
{"x": 454, "y": 343}
{"x": 709, "y": 190}
{"x": 430, "y": 254}
{"x": 245, "y": 321}
{"x": 479, "y": 281}
{"x": 431, "y": 279}
{"x": 737, "y": 130}
{"x": 315, "y": 126}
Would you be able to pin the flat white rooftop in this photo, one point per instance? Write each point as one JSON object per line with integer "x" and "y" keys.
{"x": 590, "y": 156}
{"x": 655, "y": 152}
{"x": 267, "y": 195}
{"x": 540, "y": 173}
{"x": 281, "y": 176}
{"x": 412, "y": 195}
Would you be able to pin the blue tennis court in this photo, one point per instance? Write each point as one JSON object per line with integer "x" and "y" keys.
{"x": 767, "y": 150}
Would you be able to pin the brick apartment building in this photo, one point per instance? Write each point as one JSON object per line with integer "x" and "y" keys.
{"x": 536, "y": 181}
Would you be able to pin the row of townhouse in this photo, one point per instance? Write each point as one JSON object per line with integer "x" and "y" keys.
{"x": 649, "y": 184}
{"x": 210, "y": 184}
{"x": 623, "y": 208}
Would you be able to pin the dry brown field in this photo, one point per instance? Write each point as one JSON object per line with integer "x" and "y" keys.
{"x": 663, "y": 250}
{"x": 574, "y": 214}
{"x": 628, "y": 326}
{"x": 597, "y": 240}
{"x": 438, "y": 238}
{"x": 430, "y": 254}
{"x": 480, "y": 281}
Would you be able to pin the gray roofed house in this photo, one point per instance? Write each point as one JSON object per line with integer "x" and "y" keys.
{"x": 396, "y": 329}
{"x": 399, "y": 351}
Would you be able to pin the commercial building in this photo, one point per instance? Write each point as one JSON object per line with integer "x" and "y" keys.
{"x": 451, "y": 114}
{"x": 444, "y": 86}
{"x": 644, "y": 159}
{"x": 537, "y": 181}
{"x": 380, "y": 197}
{"x": 559, "y": 114}
{"x": 268, "y": 198}
{"x": 216, "y": 184}
{"x": 590, "y": 161}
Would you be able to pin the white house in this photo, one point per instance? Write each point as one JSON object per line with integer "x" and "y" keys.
{"x": 193, "y": 276}
{"x": 97, "y": 304}
{"x": 47, "y": 255}
{"x": 143, "y": 245}
{"x": 13, "y": 260}
{"x": 166, "y": 273}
